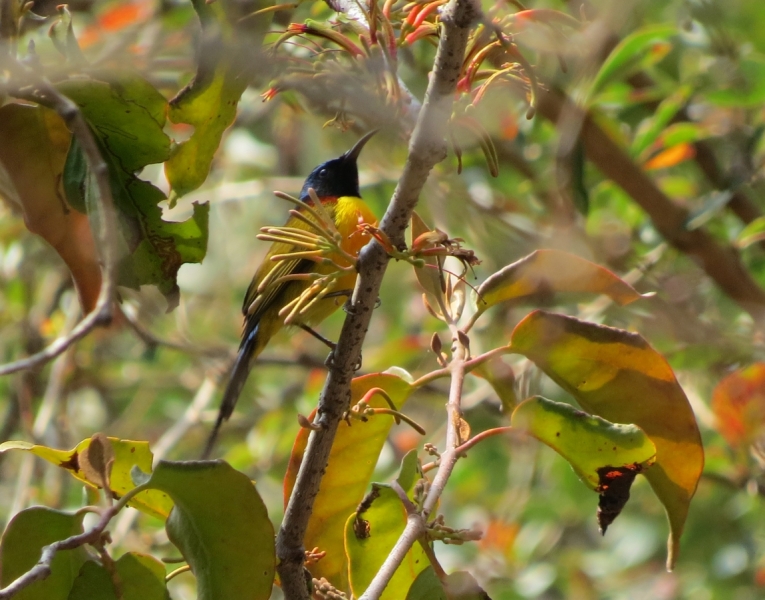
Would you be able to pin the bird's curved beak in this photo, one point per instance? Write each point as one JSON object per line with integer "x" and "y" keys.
{"x": 354, "y": 152}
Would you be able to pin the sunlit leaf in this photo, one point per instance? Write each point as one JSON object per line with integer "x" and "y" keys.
{"x": 220, "y": 525}
{"x": 639, "y": 49}
{"x": 367, "y": 547}
{"x": 33, "y": 152}
{"x": 587, "y": 442}
{"x": 652, "y": 127}
{"x": 127, "y": 454}
{"x": 670, "y": 157}
{"x": 544, "y": 273}
{"x": 353, "y": 458}
{"x": 738, "y": 402}
{"x": 22, "y": 543}
{"x": 618, "y": 376}
{"x": 227, "y": 61}
{"x": 128, "y": 115}
{"x": 682, "y": 133}
{"x": 752, "y": 233}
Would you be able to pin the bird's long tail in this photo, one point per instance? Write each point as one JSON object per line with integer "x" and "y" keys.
{"x": 236, "y": 382}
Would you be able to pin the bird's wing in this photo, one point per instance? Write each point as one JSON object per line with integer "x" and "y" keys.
{"x": 274, "y": 270}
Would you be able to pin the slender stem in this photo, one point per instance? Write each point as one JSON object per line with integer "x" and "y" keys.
{"x": 426, "y": 149}
{"x": 415, "y": 523}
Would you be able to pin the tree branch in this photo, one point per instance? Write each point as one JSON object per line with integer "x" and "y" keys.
{"x": 426, "y": 149}
{"x": 416, "y": 522}
{"x": 721, "y": 263}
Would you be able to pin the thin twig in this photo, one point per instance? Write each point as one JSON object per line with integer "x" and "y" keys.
{"x": 104, "y": 223}
{"x": 415, "y": 522}
{"x": 426, "y": 149}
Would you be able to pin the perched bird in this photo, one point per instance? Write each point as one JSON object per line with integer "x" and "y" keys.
{"x": 279, "y": 283}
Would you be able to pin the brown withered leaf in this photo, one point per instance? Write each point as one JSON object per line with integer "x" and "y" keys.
{"x": 33, "y": 153}
{"x": 614, "y": 490}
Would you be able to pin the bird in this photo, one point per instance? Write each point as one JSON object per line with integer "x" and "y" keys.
{"x": 336, "y": 185}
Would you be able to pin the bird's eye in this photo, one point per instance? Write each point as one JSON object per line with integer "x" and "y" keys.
{"x": 323, "y": 173}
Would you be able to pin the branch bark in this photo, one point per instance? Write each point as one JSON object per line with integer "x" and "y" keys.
{"x": 426, "y": 148}
{"x": 720, "y": 262}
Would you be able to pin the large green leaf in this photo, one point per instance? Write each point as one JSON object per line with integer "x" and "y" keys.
{"x": 368, "y": 547}
{"x": 93, "y": 581}
{"x": 352, "y": 460}
{"x": 638, "y": 50}
{"x": 588, "y": 443}
{"x": 616, "y": 375}
{"x": 21, "y": 546}
{"x": 128, "y": 115}
{"x": 127, "y": 454}
{"x": 228, "y": 59}
{"x": 221, "y": 526}
{"x": 140, "y": 577}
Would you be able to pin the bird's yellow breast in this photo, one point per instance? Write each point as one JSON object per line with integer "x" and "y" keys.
{"x": 349, "y": 213}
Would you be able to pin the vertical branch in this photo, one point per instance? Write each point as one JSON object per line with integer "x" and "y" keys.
{"x": 416, "y": 522}
{"x": 426, "y": 149}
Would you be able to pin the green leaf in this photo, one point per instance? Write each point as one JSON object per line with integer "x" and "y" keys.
{"x": 651, "y": 128}
{"x": 751, "y": 234}
{"x": 427, "y": 587}
{"x": 351, "y": 463}
{"x": 127, "y": 454}
{"x": 127, "y": 114}
{"x": 386, "y": 520}
{"x": 544, "y": 273}
{"x": 220, "y": 525}
{"x": 587, "y": 442}
{"x": 410, "y": 472}
{"x": 142, "y": 577}
{"x": 616, "y": 375}
{"x": 93, "y": 582}
{"x": 21, "y": 546}
{"x": 228, "y": 60}
{"x": 639, "y": 49}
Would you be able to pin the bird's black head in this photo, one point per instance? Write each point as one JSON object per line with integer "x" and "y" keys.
{"x": 337, "y": 177}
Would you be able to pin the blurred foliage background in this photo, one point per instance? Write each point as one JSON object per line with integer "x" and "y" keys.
{"x": 685, "y": 103}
